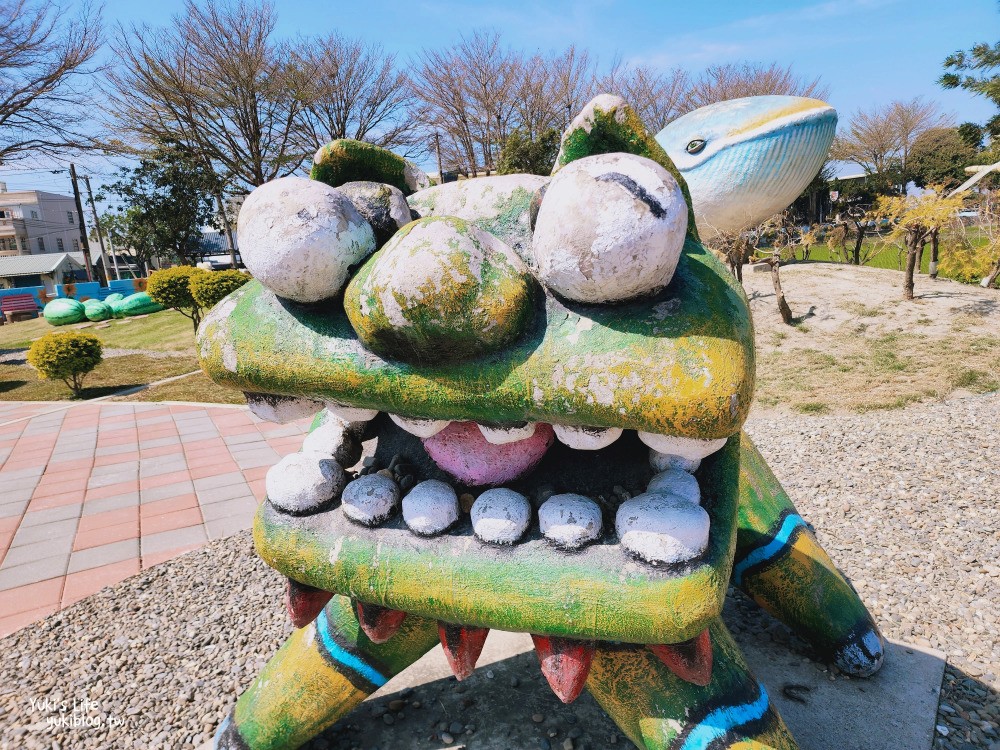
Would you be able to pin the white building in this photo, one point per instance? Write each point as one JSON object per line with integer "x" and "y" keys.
{"x": 33, "y": 222}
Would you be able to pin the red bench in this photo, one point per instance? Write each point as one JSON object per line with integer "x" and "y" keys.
{"x": 18, "y": 305}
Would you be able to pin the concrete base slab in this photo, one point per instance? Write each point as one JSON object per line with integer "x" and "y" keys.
{"x": 507, "y": 705}
{"x": 894, "y": 709}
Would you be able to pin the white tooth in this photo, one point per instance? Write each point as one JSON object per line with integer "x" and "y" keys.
{"x": 334, "y": 438}
{"x": 370, "y": 499}
{"x": 501, "y": 516}
{"x": 586, "y": 438}
{"x": 430, "y": 508}
{"x": 281, "y": 409}
{"x": 689, "y": 448}
{"x": 662, "y": 529}
{"x": 422, "y": 428}
{"x": 663, "y": 461}
{"x": 504, "y": 435}
{"x": 675, "y": 482}
{"x": 303, "y": 482}
{"x": 570, "y": 521}
{"x": 351, "y": 413}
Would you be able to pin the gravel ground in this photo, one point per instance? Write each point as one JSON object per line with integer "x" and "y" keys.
{"x": 906, "y": 502}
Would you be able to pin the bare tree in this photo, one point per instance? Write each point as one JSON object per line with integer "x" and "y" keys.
{"x": 656, "y": 97}
{"x": 911, "y": 119}
{"x": 572, "y": 82}
{"x": 881, "y": 138}
{"x": 870, "y": 140}
{"x": 467, "y": 93}
{"x": 734, "y": 80}
{"x": 44, "y": 64}
{"x": 214, "y": 81}
{"x": 443, "y": 108}
{"x": 357, "y": 92}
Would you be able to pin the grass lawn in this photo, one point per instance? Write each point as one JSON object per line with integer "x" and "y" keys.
{"x": 166, "y": 331}
{"x": 194, "y": 388}
{"x": 21, "y": 382}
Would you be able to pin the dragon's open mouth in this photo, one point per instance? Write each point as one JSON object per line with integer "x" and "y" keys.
{"x": 592, "y": 536}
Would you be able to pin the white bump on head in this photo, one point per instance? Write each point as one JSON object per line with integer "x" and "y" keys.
{"x": 500, "y": 516}
{"x": 300, "y": 237}
{"x": 662, "y": 529}
{"x": 692, "y": 449}
{"x": 570, "y": 521}
{"x": 302, "y": 482}
{"x": 370, "y": 499}
{"x": 430, "y": 508}
{"x": 610, "y": 228}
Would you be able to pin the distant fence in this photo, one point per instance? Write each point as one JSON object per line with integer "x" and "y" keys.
{"x": 81, "y": 291}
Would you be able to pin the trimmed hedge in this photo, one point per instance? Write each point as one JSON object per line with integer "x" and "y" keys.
{"x": 67, "y": 356}
{"x": 171, "y": 287}
{"x": 211, "y": 288}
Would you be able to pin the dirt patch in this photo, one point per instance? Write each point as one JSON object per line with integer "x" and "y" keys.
{"x": 857, "y": 345}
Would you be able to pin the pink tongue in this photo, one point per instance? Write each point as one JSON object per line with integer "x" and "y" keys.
{"x": 462, "y": 451}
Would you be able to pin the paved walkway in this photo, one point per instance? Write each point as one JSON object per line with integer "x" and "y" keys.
{"x": 94, "y": 493}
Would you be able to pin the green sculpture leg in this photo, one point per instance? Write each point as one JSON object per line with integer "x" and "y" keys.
{"x": 659, "y": 711}
{"x": 781, "y": 566}
{"x": 320, "y": 674}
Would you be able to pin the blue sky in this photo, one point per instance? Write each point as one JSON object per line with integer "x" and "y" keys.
{"x": 866, "y": 51}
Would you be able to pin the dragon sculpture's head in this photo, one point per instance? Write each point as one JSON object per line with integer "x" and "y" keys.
{"x": 583, "y": 398}
{"x": 746, "y": 159}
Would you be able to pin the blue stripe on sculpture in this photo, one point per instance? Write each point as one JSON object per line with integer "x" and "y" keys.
{"x": 344, "y": 657}
{"x": 772, "y": 549}
{"x": 720, "y": 722}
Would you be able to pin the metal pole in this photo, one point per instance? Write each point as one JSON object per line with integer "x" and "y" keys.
{"x": 97, "y": 224}
{"x": 228, "y": 229}
{"x": 83, "y": 226}
{"x": 114, "y": 258}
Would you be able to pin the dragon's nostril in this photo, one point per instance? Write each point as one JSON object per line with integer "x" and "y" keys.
{"x": 440, "y": 289}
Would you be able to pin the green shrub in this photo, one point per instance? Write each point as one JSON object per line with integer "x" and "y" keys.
{"x": 67, "y": 356}
{"x": 171, "y": 287}
{"x": 210, "y": 288}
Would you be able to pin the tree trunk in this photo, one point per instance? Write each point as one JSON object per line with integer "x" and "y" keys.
{"x": 990, "y": 280}
{"x": 920, "y": 257}
{"x": 857, "y": 242}
{"x": 933, "y": 267}
{"x": 783, "y": 308}
{"x": 736, "y": 267}
{"x": 911, "y": 261}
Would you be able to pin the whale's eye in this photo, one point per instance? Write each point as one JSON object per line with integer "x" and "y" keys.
{"x": 695, "y": 146}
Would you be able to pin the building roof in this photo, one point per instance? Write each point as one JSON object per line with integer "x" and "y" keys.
{"x": 34, "y": 265}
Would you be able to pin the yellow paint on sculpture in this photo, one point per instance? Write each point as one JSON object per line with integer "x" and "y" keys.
{"x": 799, "y": 105}
{"x": 300, "y": 694}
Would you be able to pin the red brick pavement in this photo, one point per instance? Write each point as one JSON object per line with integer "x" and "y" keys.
{"x": 93, "y": 493}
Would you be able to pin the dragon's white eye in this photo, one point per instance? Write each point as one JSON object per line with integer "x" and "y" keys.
{"x": 610, "y": 228}
{"x": 300, "y": 238}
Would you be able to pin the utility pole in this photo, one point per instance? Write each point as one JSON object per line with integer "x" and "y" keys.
{"x": 83, "y": 227}
{"x": 97, "y": 223}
